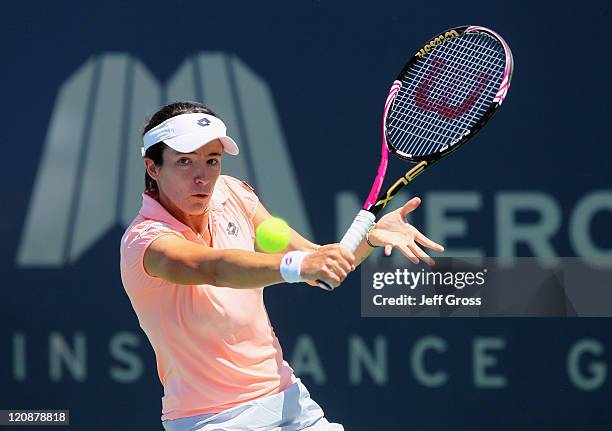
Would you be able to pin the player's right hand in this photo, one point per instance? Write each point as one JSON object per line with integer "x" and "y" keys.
{"x": 330, "y": 263}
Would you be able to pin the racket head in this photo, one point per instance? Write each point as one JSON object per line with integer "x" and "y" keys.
{"x": 447, "y": 91}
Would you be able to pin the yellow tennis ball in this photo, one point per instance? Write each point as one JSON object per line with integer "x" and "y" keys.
{"x": 273, "y": 235}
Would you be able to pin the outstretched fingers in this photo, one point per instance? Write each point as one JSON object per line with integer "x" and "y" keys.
{"x": 410, "y": 206}
{"x": 421, "y": 254}
{"x": 423, "y": 240}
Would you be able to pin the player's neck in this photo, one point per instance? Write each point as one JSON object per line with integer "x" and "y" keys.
{"x": 198, "y": 223}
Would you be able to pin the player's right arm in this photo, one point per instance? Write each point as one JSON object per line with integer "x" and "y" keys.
{"x": 180, "y": 261}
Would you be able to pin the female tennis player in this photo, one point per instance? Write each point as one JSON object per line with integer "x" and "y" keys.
{"x": 190, "y": 270}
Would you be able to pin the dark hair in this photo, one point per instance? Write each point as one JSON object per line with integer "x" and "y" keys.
{"x": 155, "y": 152}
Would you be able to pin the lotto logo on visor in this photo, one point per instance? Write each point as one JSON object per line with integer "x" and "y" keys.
{"x": 187, "y": 132}
{"x": 204, "y": 122}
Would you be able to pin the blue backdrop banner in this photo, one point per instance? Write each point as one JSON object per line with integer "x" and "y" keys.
{"x": 301, "y": 86}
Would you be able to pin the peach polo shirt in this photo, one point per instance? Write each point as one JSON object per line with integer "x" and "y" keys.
{"x": 215, "y": 347}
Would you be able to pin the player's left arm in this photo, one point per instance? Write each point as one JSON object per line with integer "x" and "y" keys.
{"x": 391, "y": 231}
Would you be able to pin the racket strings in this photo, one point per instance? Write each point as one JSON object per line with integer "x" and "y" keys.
{"x": 446, "y": 110}
{"x": 430, "y": 137}
{"x": 445, "y": 94}
{"x": 476, "y": 62}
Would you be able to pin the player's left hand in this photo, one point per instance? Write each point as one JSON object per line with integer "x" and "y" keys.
{"x": 393, "y": 231}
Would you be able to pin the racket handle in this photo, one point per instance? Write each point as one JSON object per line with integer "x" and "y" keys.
{"x": 323, "y": 285}
{"x": 353, "y": 237}
{"x": 358, "y": 230}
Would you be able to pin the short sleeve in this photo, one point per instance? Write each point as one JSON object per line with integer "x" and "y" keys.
{"x": 245, "y": 194}
{"x": 134, "y": 244}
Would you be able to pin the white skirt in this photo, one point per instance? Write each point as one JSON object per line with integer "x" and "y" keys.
{"x": 290, "y": 410}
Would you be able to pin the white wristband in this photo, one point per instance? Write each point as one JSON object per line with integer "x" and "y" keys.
{"x": 291, "y": 264}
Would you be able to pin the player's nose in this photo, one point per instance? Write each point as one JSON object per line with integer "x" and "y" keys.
{"x": 202, "y": 175}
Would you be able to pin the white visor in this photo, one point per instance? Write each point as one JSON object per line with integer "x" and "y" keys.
{"x": 186, "y": 133}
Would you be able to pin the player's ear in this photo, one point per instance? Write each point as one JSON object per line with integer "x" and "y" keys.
{"x": 151, "y": 168}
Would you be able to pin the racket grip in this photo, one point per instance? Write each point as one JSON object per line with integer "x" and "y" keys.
{"x": 358, "y": 230}
{"x": 323, "y": 285}
{"x": 353, "y": 237}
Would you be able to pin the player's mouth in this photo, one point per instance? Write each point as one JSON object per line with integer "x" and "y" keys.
{"x": 201, "y": 195}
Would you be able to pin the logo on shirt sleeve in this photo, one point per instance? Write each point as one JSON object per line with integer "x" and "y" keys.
{"x": 149, "y": 226}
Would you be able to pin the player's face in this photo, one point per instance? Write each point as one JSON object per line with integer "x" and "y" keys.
{"x": 187, "y": 180}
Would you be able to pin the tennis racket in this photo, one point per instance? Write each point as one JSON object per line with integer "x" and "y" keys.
{"x": 442, "y": 97}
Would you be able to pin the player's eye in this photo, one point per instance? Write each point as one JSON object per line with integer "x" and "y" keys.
{"x": 213, "y": 162}
{"x": 184, "y": 161}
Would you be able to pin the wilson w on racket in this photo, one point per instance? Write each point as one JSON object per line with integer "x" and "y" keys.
{"x": 442, "y": 97}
